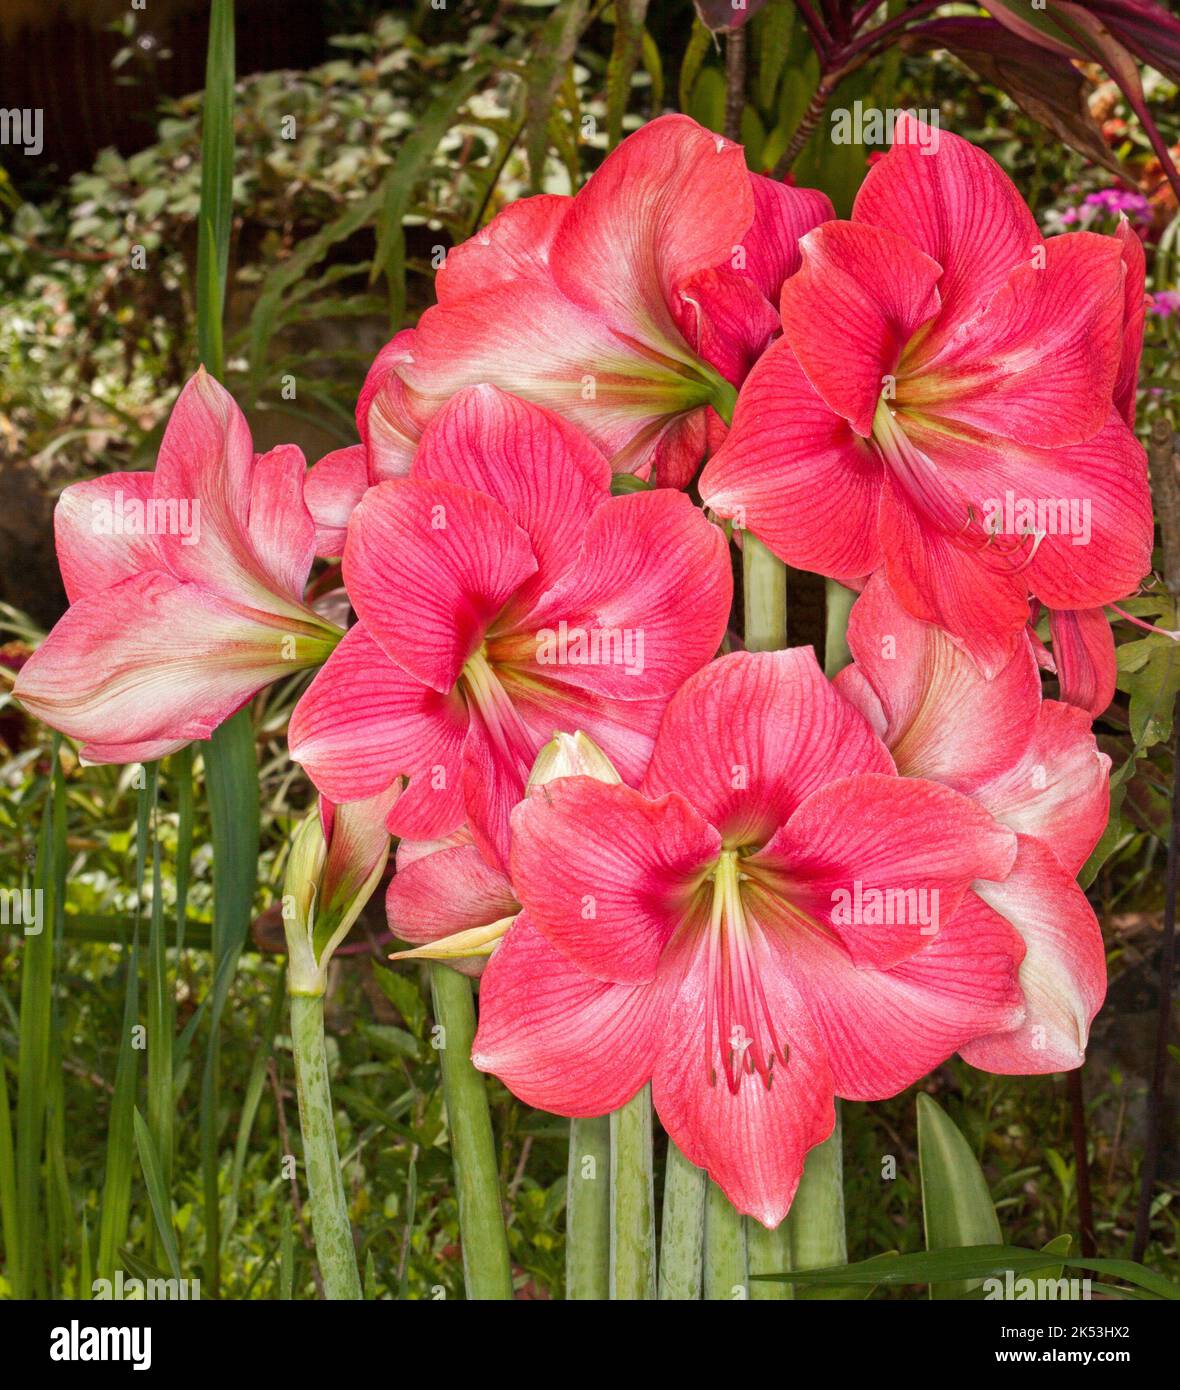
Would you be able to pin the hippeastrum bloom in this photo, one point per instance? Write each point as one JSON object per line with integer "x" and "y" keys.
{"x": 942, "y": 405}
{"x": 1035, "y": 766}
{"x": 774, "y": 918}
{"x": 185, "y": 587}
{"x": 502, "y": 593}
{"x": 633, "y": 308}
{"x": 446, "y": 896}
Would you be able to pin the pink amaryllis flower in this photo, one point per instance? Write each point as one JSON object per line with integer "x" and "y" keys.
{"x": 1035, "y": 766}
{"x": 503, "y": 594}
{"x": 633, "y": 308}
{"x": 774, "y": 918}
{"x": 942, "y": 405}
{"x": 185, "y": 587}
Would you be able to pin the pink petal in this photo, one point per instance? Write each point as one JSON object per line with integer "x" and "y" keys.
{"x": 934, "y": 699}
{"x": 883, "y": 1030}
{"x": 206, "y": 462}
{"x": 105, "y": 532}
{"x": 959, "y": 207}
{"x": 390, "y": 417}
{"x": 1059, "y": 790}
{"x": 624, "y": 729}
{"x": 280, "y": 529}
{"x": 514, "y": 245}
{"x": 363, "y": 721}
{"x": 1063, "y": 974}
{"x": 1089, "y": 503}
{"x": 447, "y": 891}
{"x": 331, "y": 490}
{"x": 727, "y": 319}
{"x": 1084, "y": 657}
{"x": 1038, "y": 365}
{"x": 635, "y": 232}
{"x": 860, "y": 296}
{"x": 1134, "y": 317}
{"x": 783, "y": 214}
{"x": 792, "y": 472}
{"x": 606, "y": 873}
{"x": 868, "y": 848}
{"x": 748, "y": 738}
{"x": 650, "y": 592}
{"x": 956, "y": 581}
{"x": 428, "y": 565}
{"x": 546, "y": 475}
{"x": 752, "y": 1142}
{"x": 148, "y": 662}
{"x": 557, "y": 1038}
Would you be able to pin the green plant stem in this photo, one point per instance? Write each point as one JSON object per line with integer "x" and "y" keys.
{"x": 726, "y": 1271}
{"x": 816, "y": 1220}
{"x": 839, "y": 605}
{"x": 487, "y": 1273}
{"x": 633, "y": 1224}
{"x": 587, "y": 1210}
{"x": 334, "y": 1248}
{"x": 768, "y": 1252}
{"x": 682, "y": 1232}
{"x": 764, "y": 577}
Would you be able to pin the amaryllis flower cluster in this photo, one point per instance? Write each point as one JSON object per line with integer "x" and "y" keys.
{"x": 669, "y": 860}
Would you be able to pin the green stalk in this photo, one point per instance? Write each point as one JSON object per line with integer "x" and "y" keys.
{"x": 587, "y": 1210}
{"x": 633, "y": 1206}
{"x": 764, "y": 577}
{"x": 487, "y": 1273}
{"x": 839, "y": 605}
{"x": 816, "y": 1222}
{"x": 682, "y": 1230}
{"x": 330, "y": 1225}
{"x": 768, "y": 1252}
{"x": 726, "y": 1271}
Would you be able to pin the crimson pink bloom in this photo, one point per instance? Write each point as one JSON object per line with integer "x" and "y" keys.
{"x": 709, "y": 932}
{"x": 503, "y": 594}
{"x": 1035, "y": 766}
{"x": 185, "y": 587}
{"x": 1083, "y": 643}
{"x": 942, "y": 370}
{"x": 633, "y": 309}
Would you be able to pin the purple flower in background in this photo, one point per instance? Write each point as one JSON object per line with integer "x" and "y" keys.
{"x": 1116, "y": 200}
{"x": 1165, "y": 303}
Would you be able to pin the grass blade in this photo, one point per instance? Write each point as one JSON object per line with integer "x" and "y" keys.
{"x": 153, "y": 1176}
{"x": 956, "y": 1205}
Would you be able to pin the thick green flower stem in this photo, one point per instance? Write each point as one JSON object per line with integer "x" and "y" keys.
{"x": 587, "y": 1210}
{"x": 839, "y": 605}
{"x": 764, "y": 579}
{"x": 816, "y": 1222}
{"x": 682, "y": 1228}
{"x": 633, "y": 1206}
{"x": 768, "y": 1252}
{"x": 726, "y": 1270}
{"x": 330, "y": 1226}
{"x": 487, "y": 1273}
